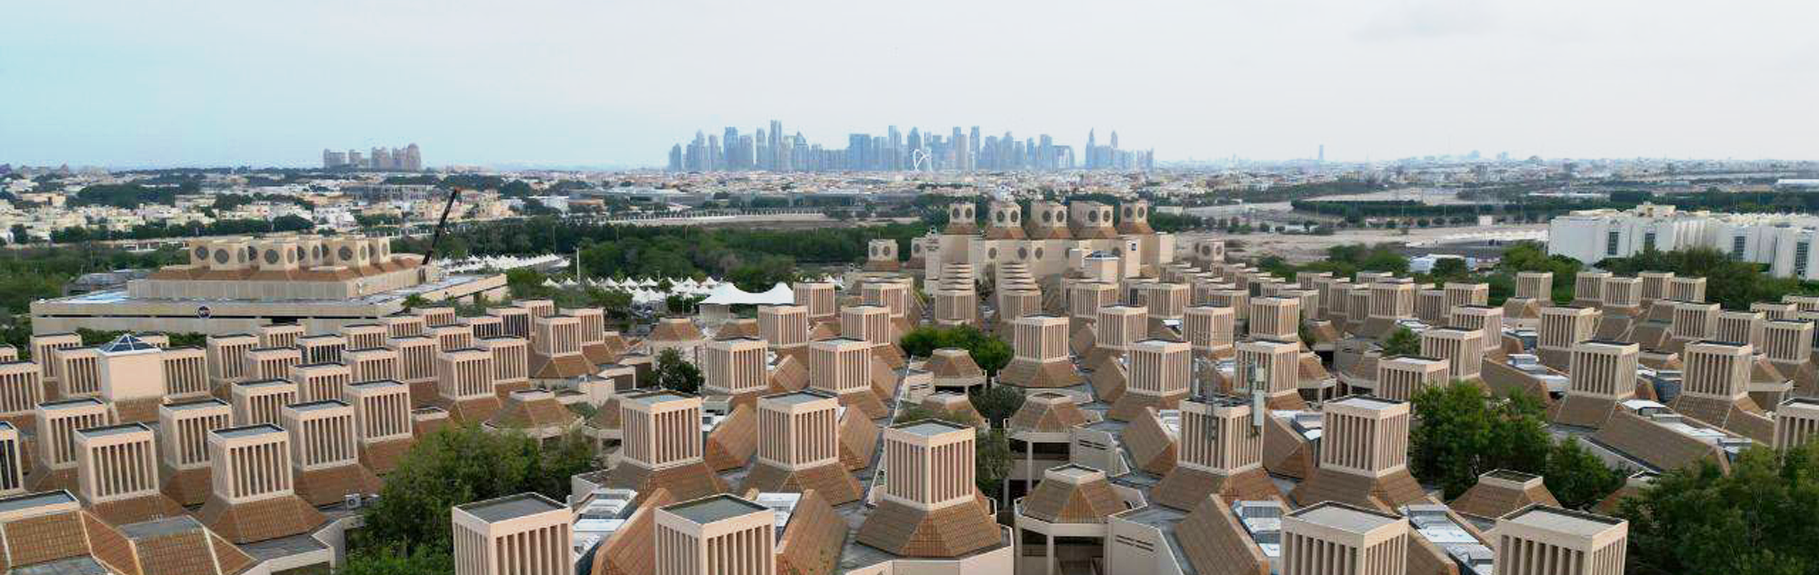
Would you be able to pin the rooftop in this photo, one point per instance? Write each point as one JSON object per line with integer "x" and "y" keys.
{"x": 510, "y": 507}
{"x": 930, "y": 428}
{"x": 1558, "y": 520}
{"x": 1344, "y": 517}
{"x": 248, "y": 430}
{"x": 714, "y": 508}
{"x": 31, "y": 500}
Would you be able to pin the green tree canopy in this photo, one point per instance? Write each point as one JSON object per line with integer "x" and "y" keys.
{"x": 675, "y": 373}
{"x": 990, "y": 352}
{"x": 1758, "y": 520}
{"x": 1401, "y": 341}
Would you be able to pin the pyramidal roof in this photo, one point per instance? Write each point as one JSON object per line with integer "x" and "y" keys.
{"x": 125, "y": 343}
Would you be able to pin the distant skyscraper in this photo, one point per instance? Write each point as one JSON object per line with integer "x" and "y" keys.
{"x": 1322, "y": 157}
{"x": 675, "y": 158}
{"x": 413, "y": 158}
{"x": 779, "y": 161}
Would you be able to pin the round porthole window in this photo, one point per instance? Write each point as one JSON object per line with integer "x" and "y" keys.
{"x": 1048, "y": 218}
{"x": 202, "y": 253}
{"x": 1000, "y": 217}
{"x": 991, "y": 254}
{"x": 1023, "y": 253}
{"x": 271, "y": 257}
{"x": 1038, "y": 253}
{"x": 1015, "y": 216}
{"x": 346, "y": 253}
{"x": 1092, "y": 217}
{"x": 1127, "y": 211}
{"x": 221, "y": 256}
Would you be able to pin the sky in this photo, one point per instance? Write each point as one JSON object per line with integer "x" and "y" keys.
{"x": 129, "y": 83}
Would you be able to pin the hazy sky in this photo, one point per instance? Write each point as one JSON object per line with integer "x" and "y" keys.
{"x": 136, "y": 83}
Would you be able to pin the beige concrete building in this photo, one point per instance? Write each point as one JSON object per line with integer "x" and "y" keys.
{"x": 1694, "y": 321}
{"x": 1040, "y": 356}
{"x": 1741, "y": 326}
{"x": 717, "y": 534}
{"x": 372, "y": 364}
{"x": 325, "y": 453}
{"x": 1220, "y": 453}
{"x": 1603, "y": 373}
{"x": 735, "y": 368}
{"x": 259, "y": 402}
{"x": 382, "y": 421}
{"x": 21, "y": 390}
{"x": 1272, "y": 367}
{"x": 12, "y": 461}
{"x": 1275, "y": 318}
{"x": 1210, "y": 330}
{"x": 662, "y": 446}
{"x": 1796, "y": 421}
{"x": 56, "y": 424}
{"x": 117, "y": 474}
{"x": 1686, "y": 289}
{"x": 464, "y": 385}
{"x": 236, "y": 285}
{"x": 784, "y": 327}
{"x": 817, "y": 298}
{"x": 524, "y": 534}
{"x": 363, "y": 336}
{"x": 1485, "y": 319}
{"x": 183, "y": 455}
{"x": 1561, "y": 329}
{"x": 1588, "y": 288}
{"x": 1400, "y": 377}
{"x": 320, "y": 381}
{"x": 227, "y": 358}
{"x": 843, "y": 367}
{"x": 929, "y": 506}
{"x": 799, "y": 448}
{"x": 1160, "y": 372}
{"x": 1337, "y": 539}
{"x": 1462, "y": 348}
{"x": 1543, "y": 540}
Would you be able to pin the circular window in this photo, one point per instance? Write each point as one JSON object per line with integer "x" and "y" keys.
{"x": 956, "y": 213}
{"x": 1142, "y": 212}
{"x": 299, "y": 252}
{"x": 1092, "y": 217}
{"x": 1048, "y": 218}
{"x": 346, "y": 253}
{"x": 221, "y": 256}
{"x": 991, "y": 254}
{"x": 1107, "y": 216}
{"x": 1206, "y": 250}
{"x": 1000, "y": 217}
{"x": 271, "y": 257}
{"x": 1118, "y": 251}
{"x": 916, "y": 248}
{"x": 1015, "y": 216}
{"x": 969, "y": 213}
{"x": 1023, "y": 253}
{"x": 1038, "y": 253}
{"x": 202, "y": 253}
{"x": 1128, "y": 212}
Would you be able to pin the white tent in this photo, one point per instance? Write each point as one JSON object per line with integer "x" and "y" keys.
{"x": 729, "y": 294}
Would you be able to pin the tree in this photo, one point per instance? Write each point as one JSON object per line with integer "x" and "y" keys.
{"x": 389, "y": 560}
{"x": 674, "y": 373}
{"x": 990, "y": 352}
{"x": 1450, "y": 269}
{"x": 461, "y": 464}
{"x": 992, "y": 459}
{"x": 996, "y": 403}
{"x": 1402, "y": 341}
{"x": 1460, "y": 435}
{"x": 1578, "y": 478}
{"x": 1756, "y": 520}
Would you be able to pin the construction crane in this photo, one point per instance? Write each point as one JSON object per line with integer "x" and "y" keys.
{"x": 436, "y": 238}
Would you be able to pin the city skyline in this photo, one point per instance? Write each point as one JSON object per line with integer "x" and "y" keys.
{"x": 1266, "y": 81}
{"x": 769, "y": 149}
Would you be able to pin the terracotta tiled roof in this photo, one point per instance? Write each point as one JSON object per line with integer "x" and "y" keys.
{"x": 470, "y": 411}
{"x": 737, "y": 328}
{"x": 1058, "y": 501}
{"x": 889, "y": 355}
{"x": 1109, "y": 381}
{"x": 45, "y": 479}
{"x": 383, "y": 456}
{"x": 686, "y": 482}
{"x": 1502, "y": 379}
{"x": 1023, "y": 372}
{"x": 607, "y": 416}
{"x": 144, "y": 410}
{"x": 328, "y": 486}
{"x": 561, "y": 366}
{"x": 858, "y": 439}
{"x": 1521, "y": 308}
{"x": 182, "y": 546}
{"x": 632, "y": 549}
{"x": 1742, "y": 416}
{"x": 790, "y": 374}
{"x": 672, "y": 329}
{"x": 813, "y": 538}
{"x": 1582, "y": 410}
{"x": 951, "y": 531}
{"x": 953, "y": 363}
{"x": 1048, "y": 412}
{"x": 823, "y": 330}
{"x": 866, "y": 402}
{"x": 1081, "y": 339}
{"x": 731, "y": 444}
{"x": 1610, "y": 503}
{"x": 1285, "y": 452}
{"x": 1657, "y": 446}
{"x": 1216, "y": 542}
{"x": 883, "y": 381}
{"x": 1386, "y": 493}
{"x": 882, "y": 265}
{"x": 833, "y": 482}
{"x": 956, "y": 405}
{"x": 532, "y": 411}
{"x": 1150, "y": 445}
{"x": 1185, "y": 487}
{"x": 44, "y": 538}
{"x": 261, "y": 520}
{"x": 189, "y": 487}
{"x": 1130, "y": 406}
{"x": 136, "y": 509}
{"x": 1493, "y": 499}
